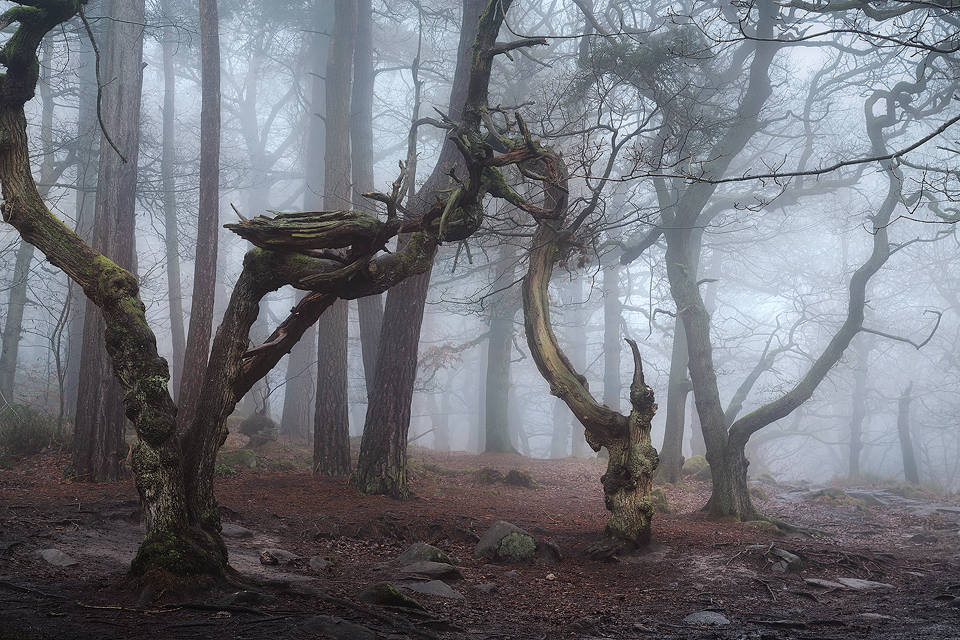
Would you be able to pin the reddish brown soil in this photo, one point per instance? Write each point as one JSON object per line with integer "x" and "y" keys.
{"x": 694, "y": 564}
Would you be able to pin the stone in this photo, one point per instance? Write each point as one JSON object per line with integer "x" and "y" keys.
{"x": 277, "y": 556}
{"x": 488, "y": 587}
{"x": 421, "y": 552}
{"x": 435, "y": 588}
{"x": 319, "y": 564}
{"x": 506, "y": 542}
{"x": 331, "y": 627}
{"x": 863, "y": 585}
{"x": 826, "y": 584}
{"x": 235, "y": 531}
{"x": 384, "y": 593}
{"x": 706, "y": 617}
{"x": 433, "y": 570}
{"x": 58, "y": 558}
{"x": 243, "y": 458}
{"x": 788, "y": 562}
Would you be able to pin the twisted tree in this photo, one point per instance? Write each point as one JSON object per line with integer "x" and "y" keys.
{"x": 174, "y": 472}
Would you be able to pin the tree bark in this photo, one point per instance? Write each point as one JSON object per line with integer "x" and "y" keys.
{"x": 629, "y": 478}
{"x": 370, "y": 309}
{"x": 98, "y": 443}
{"x": 910, "y": 472}
{"x": 171, "y": 233}
{"x": 331, "y": 439}
{"x": 208, "y": 218}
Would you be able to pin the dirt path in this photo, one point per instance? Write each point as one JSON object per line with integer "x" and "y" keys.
{"x": 909, "y": 547}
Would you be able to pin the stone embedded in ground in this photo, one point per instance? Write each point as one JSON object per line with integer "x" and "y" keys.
{"x": 433, "y": 570}
{"x": 58, "y": 558}
{"x": 826, "y": 584}
{"x": 506, "y": 542}
{"x": 706, "y": 617}
{"x": 421, "y": 552}
{"x": 331, "y": 627}
{"x": 788, "y": 562}
{"x": 488, "y": 587}
{"x": 235, "y": 531}
{"x": 384, "y": 593}
{"x": 319, "y": 564}
{"x": 277, "y": 556}
{"x": 863, "y": 585}
{"x": 435, "y": 588}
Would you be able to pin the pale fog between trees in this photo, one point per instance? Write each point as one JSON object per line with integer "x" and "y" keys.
{"x": 854, "y": 141}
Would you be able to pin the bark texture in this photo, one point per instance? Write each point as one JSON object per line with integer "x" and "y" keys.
{"x": 98, "y": 442}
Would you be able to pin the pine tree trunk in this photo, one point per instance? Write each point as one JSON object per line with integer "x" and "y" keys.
{"x": 382, "y": 465}
{"x": 208, "y": 219}
{"x": 98, "y": 445}
{"x": 331, "y": 436}
{"x": 171, "y": 232}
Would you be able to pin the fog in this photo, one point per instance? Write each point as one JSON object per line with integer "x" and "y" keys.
{"x": 638, "y": 100}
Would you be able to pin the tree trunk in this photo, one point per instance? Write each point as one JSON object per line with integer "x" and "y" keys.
{"x": 331, "y": 436}
{"x": 560, "y": 437}
{"x": 910, "y": 473}
{"x": 858, "y": 405}
{"x": 13, "y": 324}
{"x": 370, "y": 308}
{"x": 628, "y": 481}
{"x": 331, "y": 443}
{"x": 612, "y": 309}
{"x": 382, "y": 465}
{"x": 98, "y": 444}
{"x": 678, "y": 388}
{"x": 300, "y": 388}
{"x": 171, "y": 235}
{"x": 208, "y": 218}
{"x": 497, "y": 411}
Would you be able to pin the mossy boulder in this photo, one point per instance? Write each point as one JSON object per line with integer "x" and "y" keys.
{"x": 659, "y": 497}
{"x": 504, "y": 542}
{"x": 489, "y": 475}
{"x": 385, "y": 594}
{"x": 521, "y": 478}
{"x": 698, "y": 467}
{"x": 242, "y": 458}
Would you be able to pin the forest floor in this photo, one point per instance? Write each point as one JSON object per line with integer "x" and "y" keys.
{"x": 906, "y": 550}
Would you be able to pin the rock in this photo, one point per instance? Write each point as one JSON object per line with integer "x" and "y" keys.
{"x": 706, "y": 617}
{"x": 319, "y": 564}
{"x": 384, "y": 593}
{"x": 520, "y": 478}
{"x": 235, "y": 531}
{"x": 488, "y": 475}
{"x": 826, "y": 584}
{"x": 421, "y": 552}
{"x": 247, "y": 599}
{"x": 788, "y": 563}
{"x": 876, "y": 616}
{"x": 698, "y": 467}
{"x": 57, "y": 557}
{"x": 434, "y": 570}
{"x": 488, "y": 587}
{"x": 435, "y": 588}
{"x": 506, "y": 542}
{"x": 276, "y": 556}
{"x": 243, "y": 458}
{"x": 863, "y": 585}
{"x": 328, "y": 626}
